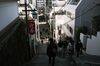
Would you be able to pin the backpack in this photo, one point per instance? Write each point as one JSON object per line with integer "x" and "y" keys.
{"x": 54, "y": 50}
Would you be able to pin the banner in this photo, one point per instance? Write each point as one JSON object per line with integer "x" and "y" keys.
{"x": 31, "y": 26}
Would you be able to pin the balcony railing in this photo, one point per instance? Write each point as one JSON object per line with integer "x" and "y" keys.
{"x": 73, "y": 3}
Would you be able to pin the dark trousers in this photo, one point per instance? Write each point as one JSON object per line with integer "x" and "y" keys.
{"x": 52, "y": 59}
{"x": 77, "y": 53}
{"x": 70, "y": 59}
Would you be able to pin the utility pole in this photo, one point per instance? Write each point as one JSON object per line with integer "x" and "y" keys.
{"x": 45, "y": 9}
{"x": 54, "y": 24}
{"x": 26, "y": 19}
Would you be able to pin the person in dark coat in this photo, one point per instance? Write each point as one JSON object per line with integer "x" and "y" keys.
{"x": 64, "y": 47}
{"x": 52, "y": 51}
{"x": 72, "y": 43}
{"x": 78, "y": 47}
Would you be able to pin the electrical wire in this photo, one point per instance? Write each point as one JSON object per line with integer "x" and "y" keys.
{"x": 79, "y": 15}
{"x": 63, "y": 5}
{"x": 82, "y": 14}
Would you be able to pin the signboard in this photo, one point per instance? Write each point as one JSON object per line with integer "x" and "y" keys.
{"x": 31, "y": 26}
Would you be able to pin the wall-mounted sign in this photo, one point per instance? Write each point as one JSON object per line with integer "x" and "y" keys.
{"x": 31, "y": 26}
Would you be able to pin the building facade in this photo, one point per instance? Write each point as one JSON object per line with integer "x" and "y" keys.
{"x": 48, "y": 6}
{"x": 65, "y": 18}
{"x": 41, "y": 6}
{"x": 85, "y": 16}
{"x": 15, "y": 48}
{"x": 12, "y": 45}
{"x": 8, "y": 12}
{"x": 58, "y": 3}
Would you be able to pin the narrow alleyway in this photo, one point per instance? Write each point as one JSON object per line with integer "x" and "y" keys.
{"x": 42, "y": 59}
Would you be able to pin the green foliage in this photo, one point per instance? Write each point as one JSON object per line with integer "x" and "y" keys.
{"x": 82, "y": 29}
{"x": 96, "y": 23}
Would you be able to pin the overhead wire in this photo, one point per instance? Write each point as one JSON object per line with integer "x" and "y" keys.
{"x": 82, "y": 14}
{"x": 63, "y": 5}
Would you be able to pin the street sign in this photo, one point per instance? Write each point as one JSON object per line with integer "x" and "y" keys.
{"x": 31, "y": 26}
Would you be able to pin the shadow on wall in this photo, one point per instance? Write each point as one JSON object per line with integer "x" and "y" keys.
{"x": 16, "y": 49}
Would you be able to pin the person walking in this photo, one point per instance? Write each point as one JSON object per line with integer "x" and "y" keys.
{"x": 78, "y": 47}
{"x": 70, "y": 55}
{"x": 52, "y": 51}
{"x": 72, "y": 43}
{"x": 64, "y": 47}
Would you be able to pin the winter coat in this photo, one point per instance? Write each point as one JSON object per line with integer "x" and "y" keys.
{"x": 52, "y": 49}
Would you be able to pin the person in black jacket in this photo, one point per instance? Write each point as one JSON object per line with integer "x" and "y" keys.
{"x": 78, "y": 47}
{"x": 52, "y": 51}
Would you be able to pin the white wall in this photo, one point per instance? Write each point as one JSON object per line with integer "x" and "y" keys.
{"x": 70, "y": 22}
{"x": 59, "y": 3}
{"x": 93, "y": 45}
{"x": 64, "y": 20}
{"x": 83, "y": 39}
{"x": 34, "y": 3}
{"x": 60, "y": 20}
{"x": 8, "y": 12}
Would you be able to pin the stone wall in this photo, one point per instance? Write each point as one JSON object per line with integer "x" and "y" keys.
{"x": 14, "y": 48}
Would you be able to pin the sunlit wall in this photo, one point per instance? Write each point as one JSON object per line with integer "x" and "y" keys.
{"x": 8, "y": 12}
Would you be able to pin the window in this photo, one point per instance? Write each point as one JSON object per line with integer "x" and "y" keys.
{"x": 70, "y": 29}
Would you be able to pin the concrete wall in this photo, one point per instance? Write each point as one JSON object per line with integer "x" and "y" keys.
{"x": 85, "y": 12}
{"x": 14, "y": 50}
{"x": 93, "y": 45}
{"x": 8, "y": 12}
